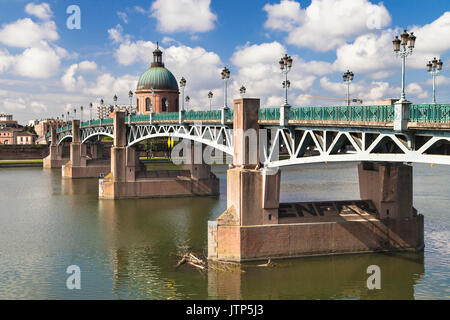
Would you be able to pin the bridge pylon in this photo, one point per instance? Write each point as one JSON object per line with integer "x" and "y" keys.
{"x": 55, "y": 159}
{"x": 257, "y": 226}
{"x": 130, "y": 179}
{"x": 80, "y": 166}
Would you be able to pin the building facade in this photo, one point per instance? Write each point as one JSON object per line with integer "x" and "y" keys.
{"x": 157, "y": 89}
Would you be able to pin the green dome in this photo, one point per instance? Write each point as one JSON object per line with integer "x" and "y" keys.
{"x": 157, "y": 78}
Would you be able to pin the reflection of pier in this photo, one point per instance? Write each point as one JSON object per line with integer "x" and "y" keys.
{"x": 338, "y": 277}
{"x": 143, "y": 243}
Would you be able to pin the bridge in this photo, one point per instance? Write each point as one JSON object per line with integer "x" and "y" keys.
{"x": 336, "y": 134}
{"x": 383, "y": 139}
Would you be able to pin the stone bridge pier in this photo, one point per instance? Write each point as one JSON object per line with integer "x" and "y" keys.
{"x": 81, "y": 165}
{"x": 56, "y": 158}
{"x": 129, "y": 178}
{"x": 257, "y": 226}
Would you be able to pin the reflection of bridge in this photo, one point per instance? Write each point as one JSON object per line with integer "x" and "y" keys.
{"x": 348, "y": 133}
{"x": 256, "y": 225}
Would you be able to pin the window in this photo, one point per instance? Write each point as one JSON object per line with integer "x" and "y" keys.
{"x": 147, "y": 104}
{"x": 164, "y": 105}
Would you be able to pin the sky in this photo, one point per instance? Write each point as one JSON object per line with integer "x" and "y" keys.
{"x": 47, "y": 67}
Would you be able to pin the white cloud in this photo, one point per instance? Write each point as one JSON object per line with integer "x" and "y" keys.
{"x": 25, "y": 33}
{"x": 373, "y": 53}
{"x": 6, "y": 60}
{"x": 41, "y": 11}
{"x": 183, "y": 15}
{"x": 38, "y": 107}
{"x": 283, "y": 16}
{"x": 39, "y": 62}
{"x": 326, "y": 24}
{"x": 123, "y": 16}
{"x": 88, "y": 66}
{"x": 14, "y": 104}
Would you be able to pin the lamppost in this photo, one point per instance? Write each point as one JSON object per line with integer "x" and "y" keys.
{"x": 74, "y": 113}
{"x": 404, "y": 47}
{"x": 81, "y": 114}
{"x": 182, "y": 86}
{"x": 348, "y": 78}
{"x": 285, "y": 66}
{"x": 210, "y": 96}
{"x": 101, "y": 108}
{"x": 130, "y": 95}
{"x": 68, "y": 117}
{"x": 434, "y": 67}
{"x": 90, "y": 113}
{"x": 115, "y": 101}
{"x": 242, "y": 91}
{"x": 225, "y": 77}
{"x": 187, "y": 99}
{"x": 62, "y": 116}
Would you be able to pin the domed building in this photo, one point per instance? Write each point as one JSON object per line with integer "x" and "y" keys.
{"x": 163, "y": 84}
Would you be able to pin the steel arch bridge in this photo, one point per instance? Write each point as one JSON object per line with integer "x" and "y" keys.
{"x": 312, "y": 135}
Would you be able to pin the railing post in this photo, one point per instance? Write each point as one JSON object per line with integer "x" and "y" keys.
{"x": 181, "y": 114}
{"x": 224, "y": 115}
{"x": 401, "y": 115}
{"x": 284, "y": 115}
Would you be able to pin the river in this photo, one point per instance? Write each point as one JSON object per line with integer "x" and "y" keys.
{"x": 127, "y": 249}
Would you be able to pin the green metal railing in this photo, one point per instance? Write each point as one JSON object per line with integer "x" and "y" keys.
{"x": 203, "y": 115}
{"x": 425, "y": 113}
{"x": 383, "y": 113}
{"x": 167, "y": 116}
{"x": 434, "y": 113}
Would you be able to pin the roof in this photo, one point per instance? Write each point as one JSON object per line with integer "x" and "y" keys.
{"x": 157, "y": 78}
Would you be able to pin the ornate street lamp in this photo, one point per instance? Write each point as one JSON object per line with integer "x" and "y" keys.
{"x": 210, "y": 96}
{"x": 285, "y": 66}
{"x": 225, "y": 77}
{"x": 130, "y": 96}
{"x": 90, "y": 113}
{"x": 242, "y": 91}
{"x": 348, "y": 78}
{"x": 187, "y": 99}
{"x": 403, "y": 47}
{"x": 68, "y": 117}
{"x": 182, "y": 86}
{"x": 81, "y": 114}
{"x": 115, "y": 101}
{"x": 75, "y": 114}
{"x": 434, "y": 67}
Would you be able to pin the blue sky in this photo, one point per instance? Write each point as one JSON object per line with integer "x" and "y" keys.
{"x": 47, "y": 69}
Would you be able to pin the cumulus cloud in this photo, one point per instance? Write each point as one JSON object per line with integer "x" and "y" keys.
{"x": 183, "y": 15}
{"x": 26, "y": 33}
{"x": 38, "y": 62}
{"x": 325, "y": 24}
{"x": 372, "y": 53}
{"x": 41, "y": 11}
{"x": 259, "y": 71}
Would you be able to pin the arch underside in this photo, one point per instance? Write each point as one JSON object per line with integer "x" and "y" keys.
{"x": 216, "y": 136}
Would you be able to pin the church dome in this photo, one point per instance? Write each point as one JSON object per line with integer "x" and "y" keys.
{"x": 157, "y": 76}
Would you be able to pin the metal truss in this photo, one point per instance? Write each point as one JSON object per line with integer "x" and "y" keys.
{"x": 89, "y": 132}
{"x": 217, "y": 136}
{"x": 313, "y": 145}
{"x": 300, "y": 144}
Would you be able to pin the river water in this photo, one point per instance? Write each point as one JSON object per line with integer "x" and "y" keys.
{"x": 127, "y": 249}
